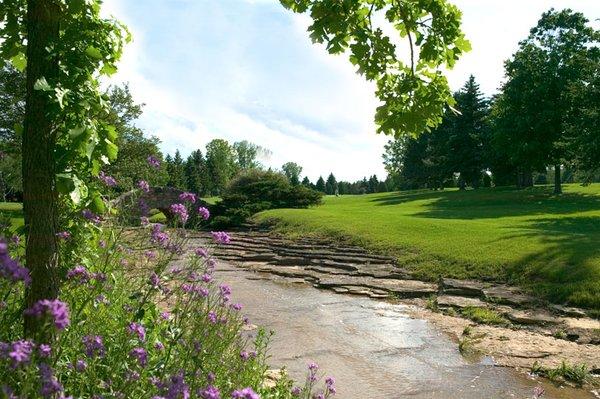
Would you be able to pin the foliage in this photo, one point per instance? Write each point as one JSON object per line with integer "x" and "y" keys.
{"x": 577, "y": 373}
{"x": 292, "y": 171}
{"x": 255, "y": 191}
{"x": 196, "y": 173}
{"x": 176, "y": 171}
{"x": 130, "y": 324}
{"x": 532, "y": 112}
{"x": 484, "y": 316}
{"x": 221, "y": 164}
{"x": 247, "y": 155}
{"x": 12, "y": 111}
{"x": 331, "y": 185}
{"x": 544, "y": 243}
{"x": 413, "y": 93}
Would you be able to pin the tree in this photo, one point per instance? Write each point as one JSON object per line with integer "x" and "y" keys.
{"x": 134, "y": 147}
{"x": 373, "y": 184}
{"x": 466, "y": 134}
{"x": 220, "y": 163}
{"x": 292, "y": 171}
{"x": 247, "y": 155}
{"x": 176, "y": 171}
{"x": 532, "y": 112}
{"x": 320, "y": 186}
{"x": 196, "y": 173}
{"x": 413, "y": 94}
{"x": 306, "y": 182}
{"x": 331, "y": 185}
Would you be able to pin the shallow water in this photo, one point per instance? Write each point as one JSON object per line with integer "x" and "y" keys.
{"x": 372, "y": 348}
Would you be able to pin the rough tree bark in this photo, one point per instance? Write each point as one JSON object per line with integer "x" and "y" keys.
{"x": 39, "y": 138}
{"x": 557, "y": 180}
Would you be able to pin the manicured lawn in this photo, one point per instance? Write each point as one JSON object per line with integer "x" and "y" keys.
{"x": 548, "y": 244}
{"x": 14, "y": 211}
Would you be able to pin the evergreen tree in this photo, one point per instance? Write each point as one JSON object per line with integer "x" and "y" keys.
{"x": 195, "y": 173}
{"x": 331, "y": 185}
{"x": 292, "y": 171}
{"x": 373, "y": 184}
{"x": 320, "y": 186}
{"x": 306, "y": 182}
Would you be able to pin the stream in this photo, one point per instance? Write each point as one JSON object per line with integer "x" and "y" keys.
{"x": 373, "y": 348}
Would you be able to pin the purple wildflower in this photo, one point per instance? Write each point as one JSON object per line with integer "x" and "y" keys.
{"x": 296, "y": 391}
{"x": 207, "y": 278}
{"x": 44, "y": 350}
{"x": 236, "y": 306}
{"x": 244, "y": 355}
{"x": 179, "y": 210}
{"x": 201, "y": 252}
{"x": 144, "y": 186}
{"x": 187, "y": 197}
{"x": 204, "y": 213}
{"x": 153, "y": 161}
{"x": 210, "y": 392}
{"x": 144, "y": 208}
{"x": 144, "y": 221}
{"x": 158, "y": 236}
{"x": 165, "y": 316}
{"x": 221, "y": 237}
{"x": 140, "y": 355}
{"x": 50, "y": 385}
{"x": 154, "y": 280}
{"x": 107, "y": 180}
{"x": 210, "y": 377}
{"x": 10, "y": 269}
{"x": 93, "y": 345}
{"x": 78, "y": 273}
{"x": 177, "y": 387}
{"x": 212, "y": 317}
{"x": 55, "y": 308}
{"x": 18, "y": 352}
{"x": 91, "y": 216}
{"x": 246, "y": 393}
{"x": 80, "y": 365}
{"x": 138, "y": 329}
{"x": 159, "y": 346}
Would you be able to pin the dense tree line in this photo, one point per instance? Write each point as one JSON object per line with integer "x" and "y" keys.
{"x": 545, "y": 118}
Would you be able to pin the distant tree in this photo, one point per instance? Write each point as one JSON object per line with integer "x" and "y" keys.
{"x": 306, "y": 182}
{"x": 532, "y": 112}
{"x": 220, "y": 163}
{"x": 176, "y": 171}
{"x": 465, "y": 136}
{"x": 373, "y": 184}
{"x": 382, "y": 187}
{"x": 331, "y": 185}
{"x": 292, "y": 171}
{"x": 196, "y": 173}
{"x": 247, "y": 155}
{"x": 134, "y": 146}
{"x": 320, "y": 186}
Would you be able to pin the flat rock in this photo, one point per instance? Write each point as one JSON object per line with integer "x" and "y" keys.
{"x": 470, "y": 288}
{"x": 568, "y": 311}
{"x": 531, "y": 317}
{"x": 446, "y": 301}
{"x": 507, "y": 295}
{"x": 402, "y": 288}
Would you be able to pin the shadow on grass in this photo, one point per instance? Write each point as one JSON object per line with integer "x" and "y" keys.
{"x": 493, "y": 203}
{"x": 567, "y": 270}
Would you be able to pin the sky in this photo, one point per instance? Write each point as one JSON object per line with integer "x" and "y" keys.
{"x": 247, "y": 70}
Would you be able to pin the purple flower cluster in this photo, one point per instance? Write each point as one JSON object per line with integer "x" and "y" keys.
{"x": 221, "y": 237}
{"x": 210, "y": 392}
{"x": 79, "y": 273}
{"x": 158, "y": 236}
{"x": 187, "y": 197}
{"x": 201, "y": 252}
{"x": 204, "y": 213}
{"x": 138, "y": 329}
{"x": 10, "y": 268}
{"x": 109, "y": 181}
{"x": 63, "y": 235}
{"x": 94, "y": 346}
{"x": 153, "y": 161}
{"x": 246, "y": 393}
{"x": 330, "y": 385}
{"x": 50, "y": 385}
{"x": 18, "y": 352}
{"x": 91, "y": 216}
{"x": 180, "y": 211}
{"x": 140, "y": 355}
{"x": 57, "y": 309}
{"x": 144, "y": 186}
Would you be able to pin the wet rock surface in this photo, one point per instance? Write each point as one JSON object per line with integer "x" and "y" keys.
{"x": 532, "y": 327}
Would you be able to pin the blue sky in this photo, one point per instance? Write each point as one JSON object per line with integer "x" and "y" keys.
{"x": 246, "y": 70}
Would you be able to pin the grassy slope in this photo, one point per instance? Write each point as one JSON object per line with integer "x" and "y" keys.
{"x": 546, "y": 243}
{"x": 14, "y": 211}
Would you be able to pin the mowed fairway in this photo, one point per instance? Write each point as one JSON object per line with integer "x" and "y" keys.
{"x": 545, "y": 243}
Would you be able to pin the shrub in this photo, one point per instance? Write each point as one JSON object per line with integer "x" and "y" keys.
{"x": 131, "y": 323}
{"x": 256, "y": 191}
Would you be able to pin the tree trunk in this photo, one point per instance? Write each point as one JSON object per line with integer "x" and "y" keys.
{"x": 38, "y": 166}
{"x": 557, "y": 180}
{"x": 461, "y": 183}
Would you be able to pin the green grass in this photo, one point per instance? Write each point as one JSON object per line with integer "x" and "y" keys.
{"x": 13, "y": 211}
{"x": 211, "y": 200}
{"x": 548, "y": 244}
{"x": 484, "y": 316}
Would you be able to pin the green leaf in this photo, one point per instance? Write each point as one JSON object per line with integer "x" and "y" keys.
{"x": 65, "y": 183}
{"x": 111, "y": 150}
{"x": 108, "y": 69}
{"x": 18, "y": 129}
{"x": 76, "y": 132}
{"x": 94, "y": 52}
{"x": 42, "y": 84}
{"x": 97, "y": 204}
{"x": 19, "y": 61}
{"x": 111, "y": 133}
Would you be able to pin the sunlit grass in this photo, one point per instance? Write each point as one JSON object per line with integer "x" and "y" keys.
{"x": 546, "y": 243}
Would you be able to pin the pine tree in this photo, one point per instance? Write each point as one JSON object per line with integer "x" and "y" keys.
{"x": 331, "y": 185}
{"x": 320, "y": 186}
{"x": 195, "y": 173}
